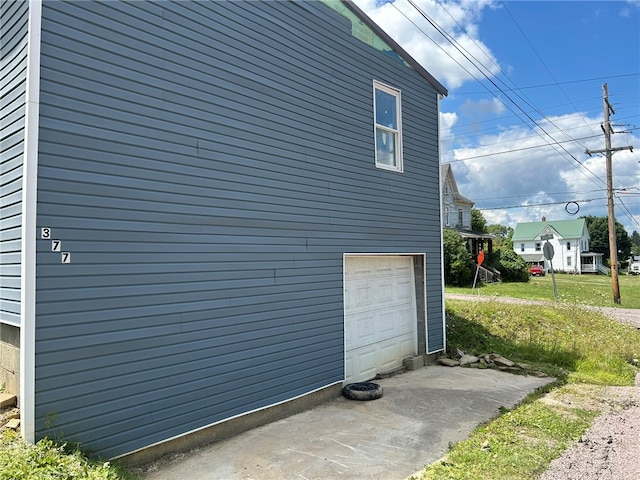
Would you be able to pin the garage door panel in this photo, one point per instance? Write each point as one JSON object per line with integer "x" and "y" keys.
{"x": 385, "y": 324}
{"x": 403, "y": 319}
{"x": 361, "y": 364}
{"x": 405, "y": 290}
{"x": 380, "y": 314}
{"x": 384, "y": 293}
{"x": 387, "y": 355}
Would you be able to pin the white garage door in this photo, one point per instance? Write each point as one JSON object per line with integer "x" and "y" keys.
{"x": 380, "y": 314}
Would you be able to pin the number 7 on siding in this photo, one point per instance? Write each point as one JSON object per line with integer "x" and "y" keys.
{"x": 66, "y": 257}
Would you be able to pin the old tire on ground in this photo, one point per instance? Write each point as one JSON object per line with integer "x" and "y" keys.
{"x": 362, "y": 391}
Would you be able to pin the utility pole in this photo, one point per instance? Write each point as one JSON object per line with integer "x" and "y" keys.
{"x": 608, "y": 151}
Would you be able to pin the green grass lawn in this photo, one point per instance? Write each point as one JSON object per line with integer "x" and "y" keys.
{"x": 593, "y": 290}
{"x": 585, "y": 350}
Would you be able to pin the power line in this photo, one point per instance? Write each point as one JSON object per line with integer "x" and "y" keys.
{"x": 477, "y": 65}
{"x": 539, "y": 57}
{"x": 558, "y": 193}
{"x": 560, "y": 83}
{"x": 541, "y": 204}
{"x": 514, "y": 150}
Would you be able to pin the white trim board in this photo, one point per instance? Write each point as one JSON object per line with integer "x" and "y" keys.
{"x": 28, "y": 242}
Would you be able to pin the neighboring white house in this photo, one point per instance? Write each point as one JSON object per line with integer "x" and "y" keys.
{"x": 570, "y": 243}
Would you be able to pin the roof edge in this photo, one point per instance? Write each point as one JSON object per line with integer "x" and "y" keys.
{"x": 401, "y": 51}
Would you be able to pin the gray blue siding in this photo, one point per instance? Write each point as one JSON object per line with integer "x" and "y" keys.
{"x": 13, "y": 67}
{"x": 207, "y": 164}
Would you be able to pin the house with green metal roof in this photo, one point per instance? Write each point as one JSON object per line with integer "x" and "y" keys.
{"x": 570, "y": 242}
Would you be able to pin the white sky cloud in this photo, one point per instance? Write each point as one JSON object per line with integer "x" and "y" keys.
{"x": 508, "y": 170}
{"x": 410, "y": 29}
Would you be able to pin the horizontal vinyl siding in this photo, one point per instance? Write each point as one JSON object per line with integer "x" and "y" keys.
{"x": 13, "y": 65}
{"x": 207, "y": 164}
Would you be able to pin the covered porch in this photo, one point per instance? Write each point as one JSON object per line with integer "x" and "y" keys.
{"x": 591, "y": 262}
{"x": 476, "y": 242}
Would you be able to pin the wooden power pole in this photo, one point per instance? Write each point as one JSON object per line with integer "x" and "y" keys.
{"x": 608, "y": 151}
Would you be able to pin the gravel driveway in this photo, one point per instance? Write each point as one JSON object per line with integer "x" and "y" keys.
{"x": 609, "y": 450}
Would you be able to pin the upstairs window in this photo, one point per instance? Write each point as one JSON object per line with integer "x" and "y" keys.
{"x": 568, "y": 245}
{"x": 460, "y": 218}
{"x": 522, "y": 247}
{"x": 388, "y": 127}
{"x": 538, "y": 247}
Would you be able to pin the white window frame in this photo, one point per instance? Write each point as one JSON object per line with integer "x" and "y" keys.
{"x": 398, "y": 167}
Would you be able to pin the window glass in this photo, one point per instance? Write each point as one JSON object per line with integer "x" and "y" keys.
{"x": 386, "y": 114}
{"x": 385, "y": 148}
{"x": 388, "y": 135}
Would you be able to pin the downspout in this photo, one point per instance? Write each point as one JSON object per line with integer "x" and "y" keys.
{"x": 444, "y": 308}
{"x": 28, "y": 237}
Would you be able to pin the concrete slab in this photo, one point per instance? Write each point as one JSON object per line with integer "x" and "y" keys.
{"x": 420, "y": 414}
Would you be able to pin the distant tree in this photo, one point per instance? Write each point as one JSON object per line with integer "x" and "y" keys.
{"x": 458, "y": 264}
{"x": 599, "y": 233}
{"x": 478, "y": 222}
{"x": 635, "y": 243}
{"x": 503, "y": 235}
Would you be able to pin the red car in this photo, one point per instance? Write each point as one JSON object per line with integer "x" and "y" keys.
{"x": 536, "y": 270}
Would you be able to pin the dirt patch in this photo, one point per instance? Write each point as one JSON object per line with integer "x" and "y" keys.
{"x": 594, "y": 398}
{"x": 608, "y": 450}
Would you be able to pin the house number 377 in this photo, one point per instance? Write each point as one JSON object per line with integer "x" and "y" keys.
{"x": 56, "y": 245}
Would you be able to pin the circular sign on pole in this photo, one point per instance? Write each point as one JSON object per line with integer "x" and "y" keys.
{"x": 547, "y": 249}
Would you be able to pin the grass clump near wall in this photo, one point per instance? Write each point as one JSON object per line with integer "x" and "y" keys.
{"x": 568, "y": 342}
{"x": 48, "y": 461}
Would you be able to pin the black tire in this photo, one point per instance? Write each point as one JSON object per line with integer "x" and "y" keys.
{"x": 362, "y": 391}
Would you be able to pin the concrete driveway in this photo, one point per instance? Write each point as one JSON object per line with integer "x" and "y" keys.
{"x": 420, "y": 414}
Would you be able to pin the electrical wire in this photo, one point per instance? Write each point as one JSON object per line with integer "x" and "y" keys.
{"x": 477, "y": 65}
{"x": 513, "y": 150}
{"x": 608, "y": 77}
{"x": 540, "y": 204}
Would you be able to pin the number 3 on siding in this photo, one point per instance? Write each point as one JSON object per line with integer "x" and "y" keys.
{"x": 45, "y": 233}
{"x": 66, "y": 257}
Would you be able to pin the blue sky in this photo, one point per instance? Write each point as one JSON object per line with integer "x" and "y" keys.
{"x": 532, "y": 76}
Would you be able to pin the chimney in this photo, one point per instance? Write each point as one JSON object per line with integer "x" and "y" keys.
{"x": 544, "y": 219}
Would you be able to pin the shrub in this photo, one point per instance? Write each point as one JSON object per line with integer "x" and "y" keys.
{"x": 458, "y": 264}
{"x": 512, "y": 267}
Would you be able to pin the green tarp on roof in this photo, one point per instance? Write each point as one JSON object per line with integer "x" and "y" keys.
{"x": 565, "y": 228}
